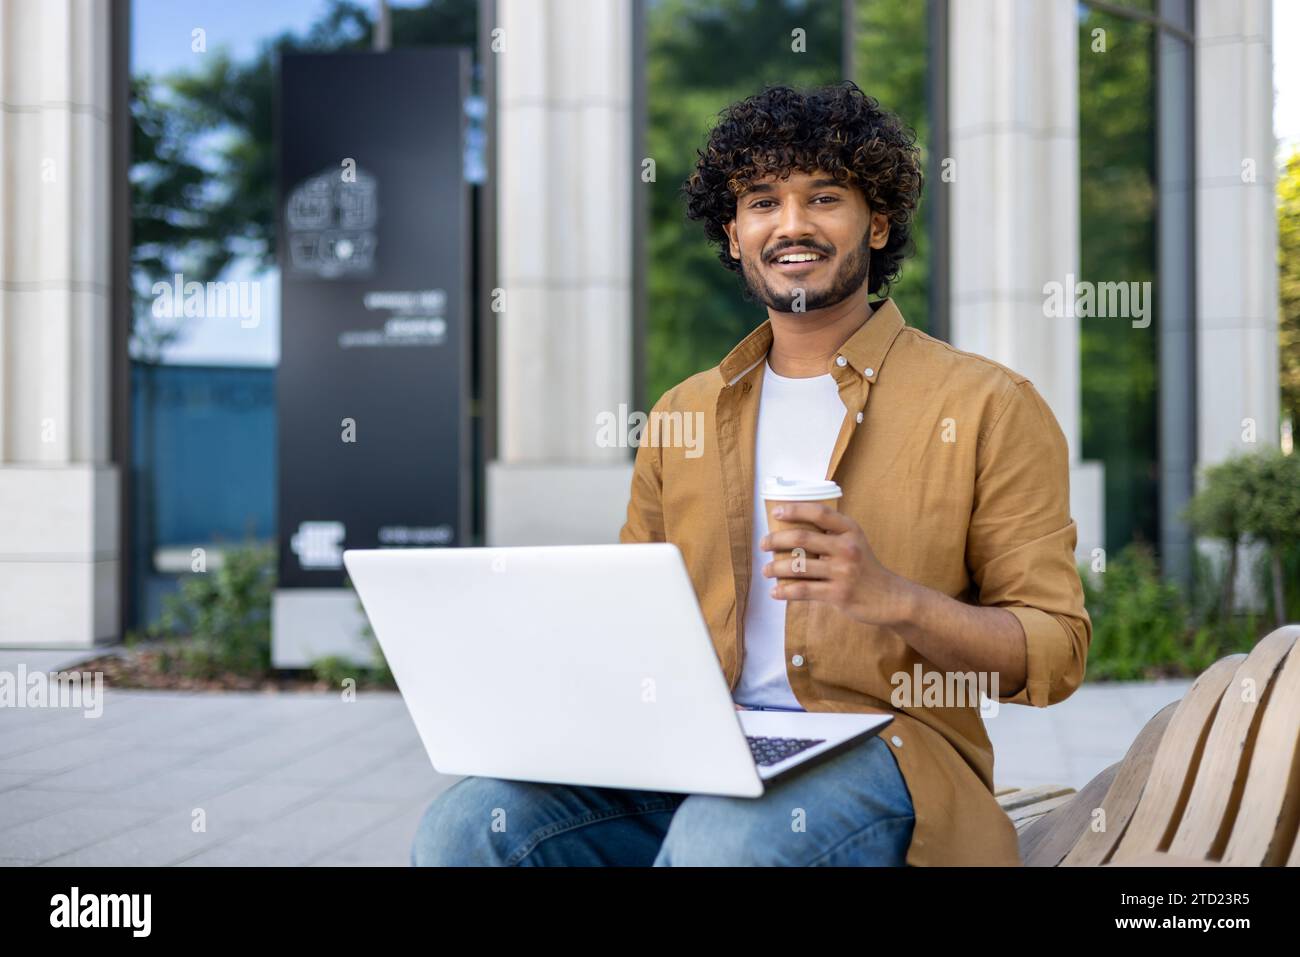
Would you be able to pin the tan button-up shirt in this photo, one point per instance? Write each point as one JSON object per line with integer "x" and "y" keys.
{"x": 958, "y": 474}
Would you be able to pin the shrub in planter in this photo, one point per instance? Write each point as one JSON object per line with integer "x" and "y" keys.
{"x": 220, "y": 620}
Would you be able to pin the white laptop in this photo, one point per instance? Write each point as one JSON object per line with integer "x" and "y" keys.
{"x": 584, "y": 664}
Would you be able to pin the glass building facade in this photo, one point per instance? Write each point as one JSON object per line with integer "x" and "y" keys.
{"x": 204, "y": 427}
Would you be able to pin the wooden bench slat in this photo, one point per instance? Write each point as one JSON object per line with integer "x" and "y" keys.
{"x": 1095, "y": 846}
{"x": 1025, "y": 822}
{"x": 1170, "y": 781}
{"x": 1163, "y": 859}
{"x": 1039, "y": 808}
{"x": 1212, "y": 780}
{"x": 1024, "y": 796}
{"x": 1215, "y": 798}
{"x": 1051, "y": 836}
{"x": 1264, "y": 836}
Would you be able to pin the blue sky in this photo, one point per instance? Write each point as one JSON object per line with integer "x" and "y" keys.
{"x": 161, "y": 29}
{"x": 161, "y": 43}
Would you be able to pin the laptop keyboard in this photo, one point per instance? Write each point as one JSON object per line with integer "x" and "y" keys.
{"x": 768, "y": 751}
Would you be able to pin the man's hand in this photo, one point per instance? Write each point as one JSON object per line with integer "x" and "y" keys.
{"x": 837, "y": 566}
{"x": 847, "y": 574}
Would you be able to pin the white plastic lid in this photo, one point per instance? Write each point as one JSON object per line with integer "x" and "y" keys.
{"x": 799, "y": 490}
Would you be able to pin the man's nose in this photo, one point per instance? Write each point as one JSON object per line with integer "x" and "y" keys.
{"x": 794, "y": 222}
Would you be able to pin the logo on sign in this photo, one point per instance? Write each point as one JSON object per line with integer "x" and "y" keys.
{"x": 319, "y": 544}
{"x": 332, "y": 225}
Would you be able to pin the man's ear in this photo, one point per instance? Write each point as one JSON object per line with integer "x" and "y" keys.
{"x": 731, "y": 239}
{"x": 879, "y": 230}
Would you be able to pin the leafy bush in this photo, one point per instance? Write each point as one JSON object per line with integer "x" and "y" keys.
{"x": 220, "y": 620}
{"x": 218, "y": 624}
{"x": 1252, "y": 497}
{"x": 1291, "y": 573}
{"x": 1138, "y": 621}
{"x": 333, "y": 670}
{"x": 1272, "y": 516}
{"x": 1217, "y": 511}
{"x": 1145, "y": 627}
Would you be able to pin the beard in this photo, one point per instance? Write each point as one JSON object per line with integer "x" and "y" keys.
{"x": 847, "y": 281}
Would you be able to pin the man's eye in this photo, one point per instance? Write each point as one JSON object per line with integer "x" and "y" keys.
{"x": 758, "y": 202}
{"x": 832, "y": 199}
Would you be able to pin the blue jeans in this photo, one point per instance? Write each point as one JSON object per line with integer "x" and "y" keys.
{"x": 848, "y": 808}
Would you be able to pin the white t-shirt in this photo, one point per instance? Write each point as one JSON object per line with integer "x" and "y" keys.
{"x": 798, "y": 422}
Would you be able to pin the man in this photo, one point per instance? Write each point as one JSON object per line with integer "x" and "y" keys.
{"x": 951, "y": 554}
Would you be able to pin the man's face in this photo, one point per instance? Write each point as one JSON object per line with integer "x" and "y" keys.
{"x": 804, "y": 233}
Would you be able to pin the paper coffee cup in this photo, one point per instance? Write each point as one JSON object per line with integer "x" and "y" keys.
{"x": 782, "y": 491}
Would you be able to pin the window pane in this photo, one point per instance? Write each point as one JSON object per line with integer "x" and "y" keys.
{"x": 203, "y": 209}
{"x": 702, "y": 55}
{"x": 1117, "y": 210}
{"x": 890, "y": 62}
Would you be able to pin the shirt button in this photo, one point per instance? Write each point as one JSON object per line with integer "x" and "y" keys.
{"x": 797, "y": 661}
{"x": 868, "y": 372}
{"x": 841, "y": 361}
{"x": 859, "y": 416}
{"x": 898, "y": 742}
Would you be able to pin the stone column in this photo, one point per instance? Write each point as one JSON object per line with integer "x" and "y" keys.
{"x": 1236, "y": 230}
{"x": 1014, "y": 133}
{"x": 1236, "y": 241}
{"x": 59, "y": 563}
{"x": 565, "y": 175}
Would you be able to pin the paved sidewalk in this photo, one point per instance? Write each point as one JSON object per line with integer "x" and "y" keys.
{"x": 310, "y": 779}
{"x": 1071, "y": 742}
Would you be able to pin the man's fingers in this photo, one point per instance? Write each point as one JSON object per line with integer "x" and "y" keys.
{"x": 788, "y": 589}
{"x": 812, "y": 543}
{"x": 823, "y": 516}
{"x": 808, "y": 568}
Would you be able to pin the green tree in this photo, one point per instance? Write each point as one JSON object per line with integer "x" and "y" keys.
{"x": 1218, "y": 510}
{"x": 1288, "y": 287}
{"x": 1272, "y": 515}
{"x": 891, "y": 62}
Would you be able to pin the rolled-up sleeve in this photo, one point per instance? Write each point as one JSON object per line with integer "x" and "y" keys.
{"x": 1021, "y": 540}
{"x": 645, "y": 514}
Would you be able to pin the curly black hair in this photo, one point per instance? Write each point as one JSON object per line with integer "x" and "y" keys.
{"x": 838, "y": 129}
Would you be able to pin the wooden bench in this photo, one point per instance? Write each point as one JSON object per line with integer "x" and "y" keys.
{"x": 1211, "y": 780}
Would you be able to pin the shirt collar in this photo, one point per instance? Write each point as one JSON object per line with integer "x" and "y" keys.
{"x": 864, "y": 351}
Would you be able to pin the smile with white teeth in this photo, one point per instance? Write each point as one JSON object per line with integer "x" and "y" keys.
{"x": 799, "y": 258}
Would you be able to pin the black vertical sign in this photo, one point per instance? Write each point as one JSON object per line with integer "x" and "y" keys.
{"x": 373, "y": 247}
